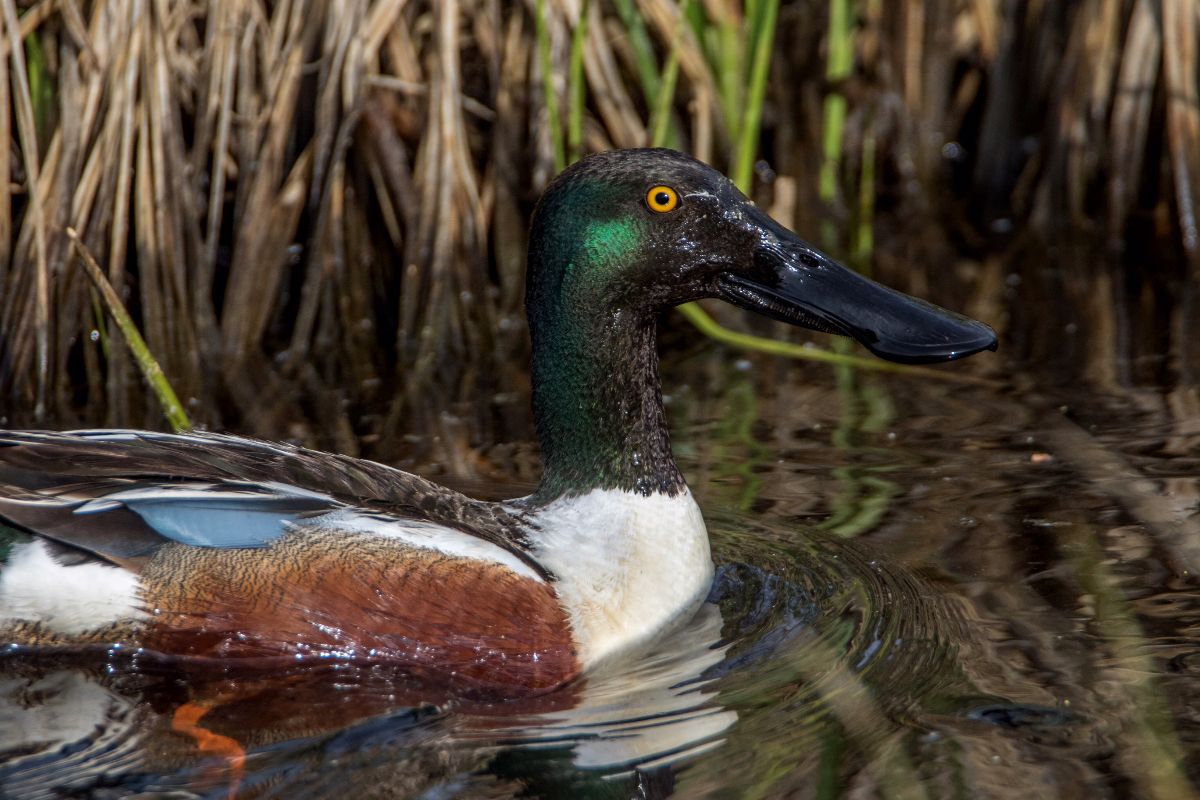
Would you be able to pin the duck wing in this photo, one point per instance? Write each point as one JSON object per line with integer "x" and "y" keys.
{"x": 120, "y": 495}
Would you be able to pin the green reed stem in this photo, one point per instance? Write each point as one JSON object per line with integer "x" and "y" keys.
{"x": 837, "y": 69}
{"x": 643, "y": 49}
{"x": 711, "y": 328}
{"x": 542, "y": 32}
{"x": 731, "y": 78}
{"x": 578, "y": 86}
{"x": 151, "y": 371}
{"x": 763, "y": 27}
{"x": 863, "y": 247}
{"x": 660, "y": 120}
{"x": 833, "y": 746}
{"x": 41, "y": 85}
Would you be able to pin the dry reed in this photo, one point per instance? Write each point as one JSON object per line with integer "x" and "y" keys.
{"x": 316, "y": 212}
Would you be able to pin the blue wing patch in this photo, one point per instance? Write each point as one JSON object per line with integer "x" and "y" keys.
{"x": 216, "y": 515}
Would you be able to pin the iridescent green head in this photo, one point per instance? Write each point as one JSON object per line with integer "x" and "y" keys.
{"x": 623, "y": 235}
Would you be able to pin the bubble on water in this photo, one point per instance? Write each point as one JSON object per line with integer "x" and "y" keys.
{"x": 952, "y": 151}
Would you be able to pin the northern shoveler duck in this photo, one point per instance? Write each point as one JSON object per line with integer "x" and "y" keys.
{"x": 219, "y": 547}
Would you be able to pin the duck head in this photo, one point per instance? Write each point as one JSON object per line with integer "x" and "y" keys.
{"x": 623, "y": 235}
{"x": 648, "y": 229}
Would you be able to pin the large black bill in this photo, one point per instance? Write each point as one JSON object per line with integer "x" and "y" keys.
{"x": 790, "y": 281}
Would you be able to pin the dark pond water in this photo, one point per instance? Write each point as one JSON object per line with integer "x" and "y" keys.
{"x": 924, "y": 589}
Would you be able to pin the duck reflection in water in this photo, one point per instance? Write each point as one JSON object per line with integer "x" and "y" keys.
{"x": 130, "y": 720}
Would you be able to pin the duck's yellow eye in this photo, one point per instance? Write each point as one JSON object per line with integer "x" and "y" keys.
{"x": 662, "y": 199}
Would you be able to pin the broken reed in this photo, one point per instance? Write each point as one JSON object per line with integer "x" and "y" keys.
{"x": 316, "y": 215}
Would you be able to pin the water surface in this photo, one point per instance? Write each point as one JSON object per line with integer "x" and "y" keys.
{"x": 923, "y": 590}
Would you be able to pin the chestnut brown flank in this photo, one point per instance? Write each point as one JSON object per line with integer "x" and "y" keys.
{"x": 470, "y": 625}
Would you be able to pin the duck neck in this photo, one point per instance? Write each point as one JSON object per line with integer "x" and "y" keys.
{"x": 598, "y": 404}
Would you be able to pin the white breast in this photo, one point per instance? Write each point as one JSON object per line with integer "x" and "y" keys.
{"x": 628, "y": 566}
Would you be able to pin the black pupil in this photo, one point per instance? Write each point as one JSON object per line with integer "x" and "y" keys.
{"x": 662, "y": 198}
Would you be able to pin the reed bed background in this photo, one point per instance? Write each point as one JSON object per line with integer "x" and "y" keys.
{"x": 315, "y": 212}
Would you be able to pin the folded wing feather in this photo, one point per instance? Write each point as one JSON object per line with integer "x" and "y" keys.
{"x": 120, "y": 495}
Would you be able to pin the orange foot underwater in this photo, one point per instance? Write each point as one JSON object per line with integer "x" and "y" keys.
{"x": 186, "y": 720}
